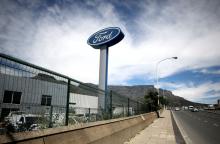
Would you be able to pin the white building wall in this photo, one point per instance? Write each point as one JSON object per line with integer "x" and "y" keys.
{"x": 83, "y": 103}
{"x": 32, "y": 91}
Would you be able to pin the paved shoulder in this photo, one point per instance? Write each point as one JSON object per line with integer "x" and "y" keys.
{"x": 159, "y": 132}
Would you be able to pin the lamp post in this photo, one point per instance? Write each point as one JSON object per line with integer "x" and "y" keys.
{"x": 157, "y": 74}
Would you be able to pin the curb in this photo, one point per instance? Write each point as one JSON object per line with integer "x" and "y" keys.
{"x": 183, "y": 134}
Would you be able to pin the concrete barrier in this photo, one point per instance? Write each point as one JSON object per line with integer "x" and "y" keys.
{"x": 110, "y": 131}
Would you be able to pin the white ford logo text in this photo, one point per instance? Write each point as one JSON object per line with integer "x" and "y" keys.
{"x": 102, "y": 37}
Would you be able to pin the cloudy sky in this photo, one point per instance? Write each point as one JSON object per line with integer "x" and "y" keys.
{"x": 53, "y": 34}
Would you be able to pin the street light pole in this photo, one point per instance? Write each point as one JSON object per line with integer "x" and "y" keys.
{"x": 157, "y": 75}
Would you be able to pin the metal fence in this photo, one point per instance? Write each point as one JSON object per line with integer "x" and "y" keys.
{"x": 32, "y": 97}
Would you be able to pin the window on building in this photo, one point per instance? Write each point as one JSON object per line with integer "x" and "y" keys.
{"x": 17, "y": 98}
{"x": 46, "y": 100}
{"x": 12, "y": 97}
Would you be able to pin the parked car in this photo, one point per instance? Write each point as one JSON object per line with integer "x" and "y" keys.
{"x": 191, "y": 108}
{"x": 194, "y": 110}
{"x": 211, "y": 107}
{"x": 19, "y": 121}
{"x": 177, "y": 108}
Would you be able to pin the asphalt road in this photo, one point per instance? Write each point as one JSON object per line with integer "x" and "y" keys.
{"x": 199, "y": 127}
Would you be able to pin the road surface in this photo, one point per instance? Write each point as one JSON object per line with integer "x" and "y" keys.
{"x": 199, "y": 127}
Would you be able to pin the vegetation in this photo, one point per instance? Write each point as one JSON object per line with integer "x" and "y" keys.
{"x": 151, "y": 101}
{"x": 163, "y": 100}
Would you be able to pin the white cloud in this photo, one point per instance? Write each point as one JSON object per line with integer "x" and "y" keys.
{"x": 56, "y": 39}
{"x": 199, "y": 92}
{"x": 173, "y": 85}
{"x": 208, "y": 71}
{"x": 185, "y": 29}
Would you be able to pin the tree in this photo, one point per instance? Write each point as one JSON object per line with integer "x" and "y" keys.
{"x": 163, "y": 100}
{"x": 151, "y": 100}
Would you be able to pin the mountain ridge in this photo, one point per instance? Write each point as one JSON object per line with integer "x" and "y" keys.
{"x": 138, "y": 92}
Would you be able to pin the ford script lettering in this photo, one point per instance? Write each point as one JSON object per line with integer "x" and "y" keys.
{"x": 102, "y": 37}
{"x": 105, "y": 37}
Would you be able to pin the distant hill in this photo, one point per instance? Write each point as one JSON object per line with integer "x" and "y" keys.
{"x": 137, "y": 93}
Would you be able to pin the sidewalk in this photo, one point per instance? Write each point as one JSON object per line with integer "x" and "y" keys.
{"x": 159, "y": 132}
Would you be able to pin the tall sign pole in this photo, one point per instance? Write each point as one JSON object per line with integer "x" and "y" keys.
{"x": 103, "y": 76}
{"x": 102, "y": 40}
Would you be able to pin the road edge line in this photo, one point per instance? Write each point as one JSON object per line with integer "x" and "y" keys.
{"x": 182, "y": 132}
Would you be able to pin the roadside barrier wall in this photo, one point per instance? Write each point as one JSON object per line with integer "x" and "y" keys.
{"x": 110, "y": 131}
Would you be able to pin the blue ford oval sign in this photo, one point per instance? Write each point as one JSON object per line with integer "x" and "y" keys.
{"x": 108, "y": 36}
